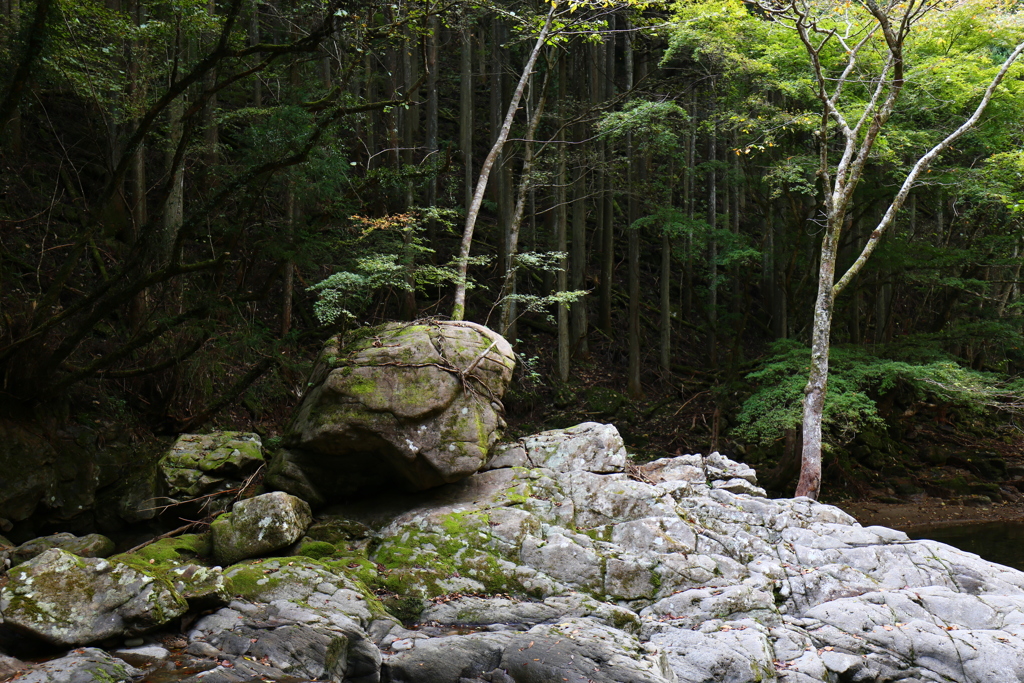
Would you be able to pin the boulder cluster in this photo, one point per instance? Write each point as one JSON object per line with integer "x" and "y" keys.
{"x": 556, "y": 559}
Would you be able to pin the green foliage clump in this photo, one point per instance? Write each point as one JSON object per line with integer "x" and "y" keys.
{"x": 858, "y": 379}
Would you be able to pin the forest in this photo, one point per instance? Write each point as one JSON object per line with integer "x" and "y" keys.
{"x": 195, "y": 194}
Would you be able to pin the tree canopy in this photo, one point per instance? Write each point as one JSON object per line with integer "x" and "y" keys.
{"x": 195, "y": 194}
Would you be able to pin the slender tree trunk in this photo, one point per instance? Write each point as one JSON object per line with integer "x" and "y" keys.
{"x": 689, "y": 201}
{"x": 409, "y": 121}
{"x": 561, "y": 218}
{"x": 290, "y": 217}
{"x": 503, "y": 184}
{"x": 137, "y": 172}
{"x": 665, "y": 357}
{"x": 578, "y": 257}
{"x": 391, "y": 118}
{"x": 11, "y": 134}
{"x": 288, "y": 294}
{"x": 713, "y": 243}
{"x": 434, "y": 25}
{"x": 769, "y": 271}
{"x": 817, "y": 383}
{"x": 459, "y": 307}
{"x": 608, "y": 195}
{"x": 634, "y": 388}
{"x": 508, "y": 303}
{"x": 254, "y": 39}
{"x": 466, "y": 111}
{"x": 211, "y": 131}
{"x": 175, "y": 205}
{"x": 370, "y": 88}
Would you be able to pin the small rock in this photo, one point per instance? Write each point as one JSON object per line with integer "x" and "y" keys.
{"x": 403, "y": 644}
{"x": 144, "y": 653}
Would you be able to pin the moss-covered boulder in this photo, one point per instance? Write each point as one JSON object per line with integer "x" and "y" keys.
{"x": 183, "y": 561}
{"x": 90, "y": 545}
{"x": 201, "y": 464}
{"x": 259, "y": 525}
{"x": 408, "y": 405}
{"x": 68, "y": 600}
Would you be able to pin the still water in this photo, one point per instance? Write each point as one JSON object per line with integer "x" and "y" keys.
{"x": 1001, "y": 542}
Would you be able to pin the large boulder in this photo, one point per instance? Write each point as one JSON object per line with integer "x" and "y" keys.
{"x": 259, "y": 525}
{"x": 204, "y": 464}
{"x": 413, "y": 405}
{"x": 67, "y": 600}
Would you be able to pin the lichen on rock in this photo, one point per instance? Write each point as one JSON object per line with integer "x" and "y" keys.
{"x": 259, "y": 525}
{"x": 413, "y": 405}
{"x": 67, "y": 600}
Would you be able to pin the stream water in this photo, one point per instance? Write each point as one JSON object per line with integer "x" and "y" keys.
{"x": 1001, "y": 542}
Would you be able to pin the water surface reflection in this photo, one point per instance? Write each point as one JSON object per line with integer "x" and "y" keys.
{"x": 1001, "y": 542}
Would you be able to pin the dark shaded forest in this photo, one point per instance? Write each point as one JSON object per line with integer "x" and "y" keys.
{"x": 195, "y": 194}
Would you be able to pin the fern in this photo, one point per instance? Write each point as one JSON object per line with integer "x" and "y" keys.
{"x": 857, "y": 380}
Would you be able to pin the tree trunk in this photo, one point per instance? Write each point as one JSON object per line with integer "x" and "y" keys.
{"x": 11, "y": 135}
{"x": 434, "y": 25}
{"x": 665, "y": 357}
{"x": 211, "y": 131}
{"x": 466, "y": 111}
{"x": 290, "y": 217}
{"x": 287, "y": 295}
{"x": 578, "y": 257}
{"x": 409, "y": 125}
{"x": 525, "y": 194}
{"x": 561, "y": 218}
{"x": 817, "y": 384}
{"x": 712, "y": 242}
{"x": 689, "y": 201}
{"x": 608, "y": 194}
{"x": 634, "y": 388}
{"x": 175, "y": 204}
{"x": 459, "y": 307}
{"x": 254, "y": 39}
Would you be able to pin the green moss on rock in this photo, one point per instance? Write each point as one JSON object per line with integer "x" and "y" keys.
{"x": 315, "y": 549}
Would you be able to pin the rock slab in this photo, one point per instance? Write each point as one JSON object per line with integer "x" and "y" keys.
{"x": 91, "y": 545}
{"x": 82, "y": 666}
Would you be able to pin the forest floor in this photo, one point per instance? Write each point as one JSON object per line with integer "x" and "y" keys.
{"x": 939, "y": 468}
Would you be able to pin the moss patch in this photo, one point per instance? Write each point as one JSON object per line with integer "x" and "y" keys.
{"x": 316, "y": 550}
{"x": 184, "y": 549}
